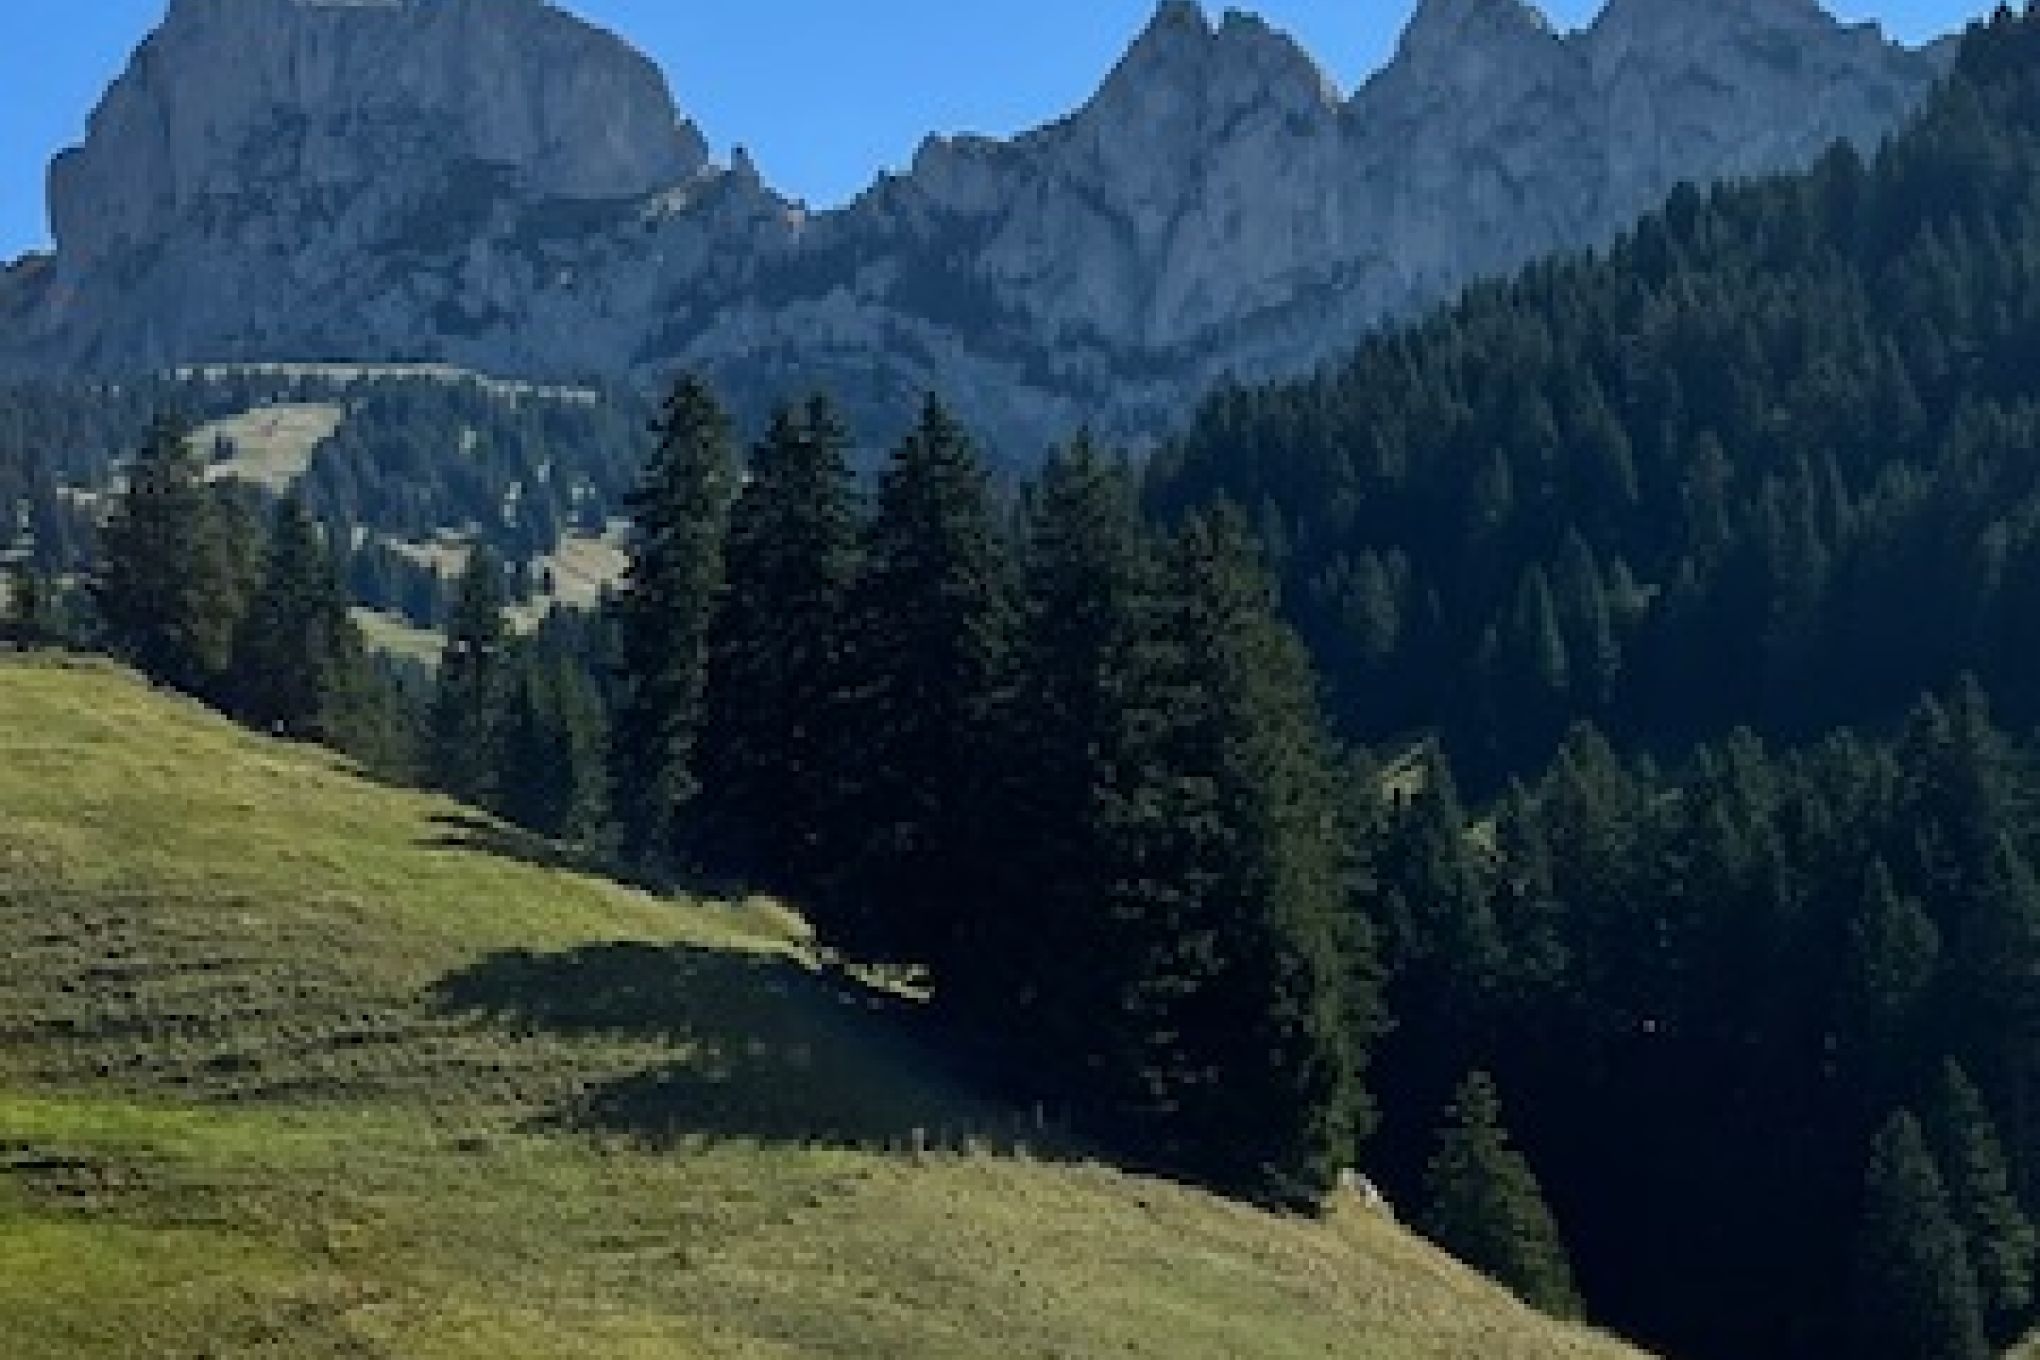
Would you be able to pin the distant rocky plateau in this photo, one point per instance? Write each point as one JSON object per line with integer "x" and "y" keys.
{"x": 499, "y": 185}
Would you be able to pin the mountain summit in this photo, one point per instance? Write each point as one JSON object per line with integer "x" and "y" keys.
{"x": 498, "y": 184}
{"x": 309, "y": 102}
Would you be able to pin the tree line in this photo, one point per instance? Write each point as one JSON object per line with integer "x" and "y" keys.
{"x": 1072, "y": 770}
{"x": 1068, "y": 769}
{"x": 205, "y": 589}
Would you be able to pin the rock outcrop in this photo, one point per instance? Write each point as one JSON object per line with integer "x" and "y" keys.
{"x": 496, "y": 184}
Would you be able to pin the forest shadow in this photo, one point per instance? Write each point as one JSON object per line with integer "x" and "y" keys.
{"x": 765, "y": 1049}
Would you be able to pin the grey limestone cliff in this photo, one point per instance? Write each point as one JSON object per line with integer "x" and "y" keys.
{"x": 498, "y": 184}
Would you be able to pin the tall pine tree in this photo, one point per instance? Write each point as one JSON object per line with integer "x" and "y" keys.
{"x": 932, "y": 625}
{"x": 551, "y": 779}
{"x": 773, "y": 740}
{"x": 299, "y": 662}
{"x": 1996, "y": 1231}
{"x": 1241, "y": 1023}
{"x": 1996, "y": 962}
{"x": 1916, "y": 1296}
{"x": 1483, "y": 1204}
{"x": 679, "y": 517}
{"x": 1891, "y": 960}
{"x": 169, "y": 585}
{"x": 1079, "y": 743}
{"x": 467, "y": 708}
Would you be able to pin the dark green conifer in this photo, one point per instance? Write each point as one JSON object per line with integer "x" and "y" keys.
{"x": 1890, "y": 963}
{"x": 773, "y": 740}
{"x": 298, "y": 657}
{"x": 1996, "y": 964}
{"x": 169, "y": 585}
{"x": 1996, "y": 1231}
{"x": 1079, "y": 735}
{"x": 467, "y": 708}
{"x": 680, "y": 513}
{"x": 1243, "y": 1014}
{"x": 1594, "y": 655}
{"x": 552, "y": 776}
{"x": 1484, "y": 1205}
{"x": 932, "y": 624}
{"x": 1915, "y": 1292}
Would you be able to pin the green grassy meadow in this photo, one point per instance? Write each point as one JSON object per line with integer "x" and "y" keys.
{"x": 292, "y": 1064}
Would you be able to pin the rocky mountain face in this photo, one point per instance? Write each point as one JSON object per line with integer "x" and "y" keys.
{"x": 496, "y": 184}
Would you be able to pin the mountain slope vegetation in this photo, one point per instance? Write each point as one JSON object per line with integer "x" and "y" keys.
{"x": 295, "y": 1064}
{"x": 1707, "y": 565}
{"x": 1764, "y": 461}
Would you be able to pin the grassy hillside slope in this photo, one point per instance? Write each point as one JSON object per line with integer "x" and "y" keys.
{"x": 294, "y": 1065}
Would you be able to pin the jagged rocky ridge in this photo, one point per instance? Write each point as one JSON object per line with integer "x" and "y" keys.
{"x": 496, "y": 184}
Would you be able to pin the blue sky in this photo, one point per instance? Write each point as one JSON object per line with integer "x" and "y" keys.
{"x": 825, "y": 93}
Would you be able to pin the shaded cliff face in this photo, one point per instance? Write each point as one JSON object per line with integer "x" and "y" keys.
{"x": 376, "y": 179}
{"x": 317, "y": 98}
{"x": 495, "y": 183}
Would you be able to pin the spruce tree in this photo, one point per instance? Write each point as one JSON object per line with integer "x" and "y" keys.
{"x": 1996, "y": 963}
{"x": 551, "y": 779}
{"x": 1996, "y": 1231}
{"x": 467, "y": 707}
{"x": 297, "y": 655}
{"x": 1892, "y": 958}
{"x": 1241, "y": 1019}
{"x": 1483, "y": 1204}
{"x": 1916, "y": 1295}
{"x": 169, "y": 586}
{"x": 931, "y": 628}
{"x": 1078, "y": 750}
{"x": 1448, "y": 956}
{"x": 773, "y": 740}
{"x": 679, "y": 517}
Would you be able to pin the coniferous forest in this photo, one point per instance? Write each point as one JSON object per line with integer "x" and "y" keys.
{"x": 1575, "y": 760}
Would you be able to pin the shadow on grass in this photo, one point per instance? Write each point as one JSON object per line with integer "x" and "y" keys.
{"x": 765, "y": 1049}
{"x": 471, "y": 831}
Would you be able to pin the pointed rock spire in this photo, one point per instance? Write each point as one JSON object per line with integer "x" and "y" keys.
{"x": 1181, "y": 62}
{"x": 1440, "y": 25}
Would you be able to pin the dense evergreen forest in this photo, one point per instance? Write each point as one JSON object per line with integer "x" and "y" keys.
{"x": 1761, "y": 473}
{"x": 1764, "y": 462}
{"x": 1641, "y": 883}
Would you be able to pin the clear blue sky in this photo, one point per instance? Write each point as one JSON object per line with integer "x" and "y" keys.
{"x": 824, "y": 92}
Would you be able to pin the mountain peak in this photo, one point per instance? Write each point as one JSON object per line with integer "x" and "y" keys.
{"x": 1183, "y": 53}
{"x": 1440, "y": 25}
{"x": 1177, "y": 16}
{"x": 498, "y": 184}
{"x": 231, "y": 99}
{"x": 1176, "y": 32}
